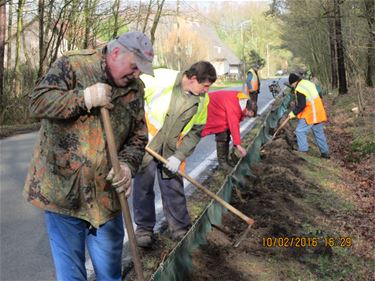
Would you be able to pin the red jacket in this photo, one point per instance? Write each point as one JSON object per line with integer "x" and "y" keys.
{"x": 224, "y": 112}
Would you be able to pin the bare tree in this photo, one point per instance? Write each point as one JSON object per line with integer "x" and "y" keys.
{"x": 148, "y": 13}
{"x": 2, "y": 46}
{"x": 17, "y": 70}
{"x": 116, "y": 15}
{"x": 89, "y": 15}
{"x": 160, "y": 4}
{"x": 10, "y": 23}
{"x": 340, "y": 50}
{"x": 41, "y": 36}
{"x": 332, "y": 47}
{"x": 370, "y": 17}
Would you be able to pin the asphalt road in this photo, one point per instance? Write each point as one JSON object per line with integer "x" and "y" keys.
{"x": 24, "y": 246}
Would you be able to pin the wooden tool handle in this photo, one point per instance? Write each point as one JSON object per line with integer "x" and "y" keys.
{"x": 121, "y": 196}
{"x": 281, "y": 126}
{"x": 205, "y": 190}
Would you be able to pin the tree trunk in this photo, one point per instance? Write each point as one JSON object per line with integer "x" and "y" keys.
{"x": 41, "y": 37}
{"x": 332, "y": 47}
{"x": 147, "y": 16}
{"x": 17, "y": 70}
{"x": 139, "y": 15}
{"x": 87, "y": 24}
{"x": 340, "y": 50}
{"x": 26, "y": 53}
{"x": 116, "y": 14}
{"x": 9, "y": 45}
{"x": 2, "y": 47}
{"x": 369, "y": 13}
{"x": 156, "y": 20}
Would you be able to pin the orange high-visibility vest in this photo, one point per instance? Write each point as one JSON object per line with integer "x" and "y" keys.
{"x": 254, "y": 81}
{"x": 314, "y": 112}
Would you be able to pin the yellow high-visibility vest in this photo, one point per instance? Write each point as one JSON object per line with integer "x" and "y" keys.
{"x": 314, "y": 111}
{"x": 158, "y": 95}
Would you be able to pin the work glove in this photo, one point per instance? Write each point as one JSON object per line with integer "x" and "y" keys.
{"x": 98, "y": 94}
{"x": 173, "y": 164}
{"x": 291, "y": 115}
{"x": 122, "y": 181}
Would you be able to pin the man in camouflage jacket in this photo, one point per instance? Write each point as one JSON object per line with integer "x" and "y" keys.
{"x": 69, "y": 173}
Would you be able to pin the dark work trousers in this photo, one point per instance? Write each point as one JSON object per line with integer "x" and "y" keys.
{"x": 222, "y": 149}
{"x": 173, "y": 199}
{"x": 254, "y": 101}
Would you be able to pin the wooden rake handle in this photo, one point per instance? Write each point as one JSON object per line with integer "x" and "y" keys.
{"x": 235, "y": 211}
{"x": 281, "y": 126}
{"x": 121, "y": 196}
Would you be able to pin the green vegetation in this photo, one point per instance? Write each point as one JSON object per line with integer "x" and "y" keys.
{"x": 225, "y": 84}
{"x": 364, "y": 145}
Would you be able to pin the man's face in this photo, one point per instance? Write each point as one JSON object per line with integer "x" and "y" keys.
{"x": 197, "y": 88}
{"x": 248, "y": 113}
{"x": 122, "y": 67}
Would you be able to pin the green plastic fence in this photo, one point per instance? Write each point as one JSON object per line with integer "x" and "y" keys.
{"x": 178, "y": 264}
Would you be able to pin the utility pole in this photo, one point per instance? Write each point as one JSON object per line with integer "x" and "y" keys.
{"x": 178, "y": 37}
{"x": 268, "y": 60}
{"x": 243, "y": 50}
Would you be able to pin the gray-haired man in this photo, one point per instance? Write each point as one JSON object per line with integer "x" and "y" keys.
{"x": 69, "y": 175}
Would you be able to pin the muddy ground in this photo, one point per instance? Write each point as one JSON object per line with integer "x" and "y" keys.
{"x": 326, "y": 206}
{"x": 314, "y": 218}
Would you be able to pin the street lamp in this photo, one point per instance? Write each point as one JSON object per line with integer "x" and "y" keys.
{"x": 243, "y": 50}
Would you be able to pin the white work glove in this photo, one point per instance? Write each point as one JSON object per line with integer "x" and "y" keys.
{"x": 121, "y": 182}
{"x": 173, "y": 164}
{"x": 98, "y": 94}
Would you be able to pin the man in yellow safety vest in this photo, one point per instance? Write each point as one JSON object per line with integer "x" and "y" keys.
{"x": 176, "y": 111}
{"x": 253, "y": 87}
{"x": 310, "y": 111}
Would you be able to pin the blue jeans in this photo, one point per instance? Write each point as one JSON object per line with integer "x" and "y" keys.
{"x": 318, "y": 131}
{"x": 172, "y": 195}
{"x": 68, "y": 236}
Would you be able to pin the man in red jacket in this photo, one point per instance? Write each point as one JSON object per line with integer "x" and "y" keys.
{"x": 223, "y": 119}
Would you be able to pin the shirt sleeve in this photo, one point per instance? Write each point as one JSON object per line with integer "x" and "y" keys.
{"x": 301, "y": 103}
{"x": 55, "y": 95}
{"x": 248, "y": 80}
{"x": 233, "y": 116}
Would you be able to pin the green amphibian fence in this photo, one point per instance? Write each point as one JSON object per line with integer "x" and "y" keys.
{"x": 178, "y": 264}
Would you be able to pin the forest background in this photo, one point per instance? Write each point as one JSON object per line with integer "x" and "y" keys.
{"x": 331, "y": 39}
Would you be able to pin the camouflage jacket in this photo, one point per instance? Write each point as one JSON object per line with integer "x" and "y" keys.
{"x": 70, "y": 161}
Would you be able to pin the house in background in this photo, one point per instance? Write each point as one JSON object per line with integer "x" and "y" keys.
{"x": 182, "y": 41}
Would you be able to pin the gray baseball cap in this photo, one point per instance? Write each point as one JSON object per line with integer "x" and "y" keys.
{"x": 141, "y": 46}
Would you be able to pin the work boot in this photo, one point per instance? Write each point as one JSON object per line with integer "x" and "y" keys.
{"x": 222, "y": 150}
{"x": 144, "y": 238}
{"x": 179, "y": 234}
{"x": 325, "y": 155}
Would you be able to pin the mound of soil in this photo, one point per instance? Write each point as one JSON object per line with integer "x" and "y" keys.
{"x": 314, "y": 218}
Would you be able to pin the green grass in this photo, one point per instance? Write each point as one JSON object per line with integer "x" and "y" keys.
{"x": 226, "y": 84}
{"x": 364, "y": 144}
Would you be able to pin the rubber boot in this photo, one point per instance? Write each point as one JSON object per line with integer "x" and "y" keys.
{"x": 254, "y": 102}
{"x": 222, "y": 150}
